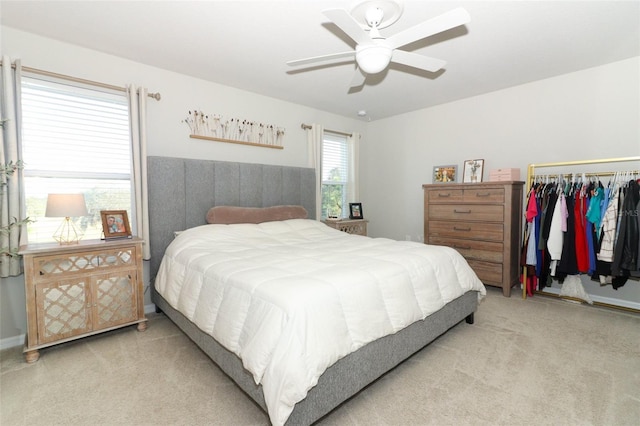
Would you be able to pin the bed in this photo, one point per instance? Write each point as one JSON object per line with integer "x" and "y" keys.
{"x": 284, "y": 357}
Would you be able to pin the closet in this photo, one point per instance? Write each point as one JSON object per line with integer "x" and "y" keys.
{"x": 581, "y": 222}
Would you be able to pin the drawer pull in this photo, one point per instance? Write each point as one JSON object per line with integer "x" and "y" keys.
{"x": 444, "y": 195}
{"x": 486, "y": 194}
{"x": 462, "y": 247}
{"x": 462, "y": 211}
{"x": 455, "y": 228}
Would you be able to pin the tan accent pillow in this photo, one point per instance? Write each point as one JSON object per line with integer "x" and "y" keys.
{"x": 231, "y": 214}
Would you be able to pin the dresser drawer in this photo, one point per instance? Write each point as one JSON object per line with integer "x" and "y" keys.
{"x": 466, "y": 230}
{"x": 445, "y": 195}
{"x": 489, "y": 273}
{"x": 483, "y": 195}
{"x": 471, "y": 249}
{"x": 482, "y": 213}
{"x": 467, "y": 195}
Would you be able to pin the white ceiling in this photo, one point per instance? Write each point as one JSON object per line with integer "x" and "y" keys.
{"x": 245, "y": 44}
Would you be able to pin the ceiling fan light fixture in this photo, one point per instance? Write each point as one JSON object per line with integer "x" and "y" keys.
{"x": 373, "y": 58}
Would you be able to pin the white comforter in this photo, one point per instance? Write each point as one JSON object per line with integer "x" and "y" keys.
{"x": 290, "y": 298}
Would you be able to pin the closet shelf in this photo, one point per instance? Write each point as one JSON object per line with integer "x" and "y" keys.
{"x": 210, "y": 138}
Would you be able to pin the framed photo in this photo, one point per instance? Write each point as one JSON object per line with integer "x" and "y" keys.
{"x": 473, "y": 171}
{"x": 445, "y": 174}
{"x": 115, "y": 224}
{"x": 355, "y": 211}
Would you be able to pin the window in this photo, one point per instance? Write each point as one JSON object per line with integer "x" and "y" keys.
{"x": 75, "y": 138}
{"x": 335, "y": 175}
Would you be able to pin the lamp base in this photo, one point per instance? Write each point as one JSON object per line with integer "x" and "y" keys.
{"x": 67, "y": 233}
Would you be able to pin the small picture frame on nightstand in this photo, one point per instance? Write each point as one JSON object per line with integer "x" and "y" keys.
{"x": 115, "y": 224}
{"x": 355, "y": 211}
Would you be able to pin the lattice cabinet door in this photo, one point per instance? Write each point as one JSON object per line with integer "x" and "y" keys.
{"x": 115, "y": 300}
{"x": 78, "y": 290}
{"x": 63, "y": 309}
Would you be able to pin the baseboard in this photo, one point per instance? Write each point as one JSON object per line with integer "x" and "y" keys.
{"x": 608, "y": 301}
{"x": 12, "y": 342}
{"x": 150, "y": 308}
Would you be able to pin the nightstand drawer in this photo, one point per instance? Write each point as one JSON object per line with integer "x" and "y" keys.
{"x": 67, "y": 264}
{"x": 471, "y": 249}
{"x": 466, "y": 212}
{"x": 466, "y": 230}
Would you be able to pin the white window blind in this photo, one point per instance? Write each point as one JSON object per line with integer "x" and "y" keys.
{"x": 75, "y": 138}
{"x": 335, "y": 174}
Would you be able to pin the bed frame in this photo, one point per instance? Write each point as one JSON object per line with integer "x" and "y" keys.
{"x": 181, "y": 191}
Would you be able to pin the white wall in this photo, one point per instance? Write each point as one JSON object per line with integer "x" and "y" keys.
{"x": 590, "y": 114}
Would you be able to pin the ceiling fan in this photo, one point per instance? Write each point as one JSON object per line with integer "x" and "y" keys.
{"x": 373, "y": 53}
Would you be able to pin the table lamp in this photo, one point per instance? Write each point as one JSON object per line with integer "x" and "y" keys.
{"x": 67, "y": 206}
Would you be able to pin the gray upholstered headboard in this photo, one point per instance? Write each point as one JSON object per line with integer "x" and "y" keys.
{"x": 181, "y": 191}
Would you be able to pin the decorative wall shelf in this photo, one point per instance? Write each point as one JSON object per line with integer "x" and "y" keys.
{"x": 212, "y": 127}
{"x": 209, "y": 138}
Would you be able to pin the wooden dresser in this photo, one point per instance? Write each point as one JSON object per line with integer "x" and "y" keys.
{"x": 78, "y": 290}
{"x": 483, "y": 221}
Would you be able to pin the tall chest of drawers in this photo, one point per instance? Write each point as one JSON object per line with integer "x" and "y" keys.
{"x": 483, "y": 221}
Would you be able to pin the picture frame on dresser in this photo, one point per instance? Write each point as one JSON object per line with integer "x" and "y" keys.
{"x": 445, "y": 174}
{"x": 115, "y": 224}
{"x": 473, "y": 170}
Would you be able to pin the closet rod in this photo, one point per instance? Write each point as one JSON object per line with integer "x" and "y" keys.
{"x": 308, "y": 127}
{"x": 597, "y": 174}
{"x": 155, "y": 96}
{"x": 531, "y": 168}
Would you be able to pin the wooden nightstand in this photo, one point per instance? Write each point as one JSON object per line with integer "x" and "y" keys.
{"x": 78, "y": 290}
{"x": 350, "y": 226}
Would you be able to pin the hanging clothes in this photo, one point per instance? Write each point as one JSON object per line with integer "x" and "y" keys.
{"x": 625, "y": 256}
{"x": 608, "y": 231}
{"x": 528, "y": 252}
{"x": 549, "y": 201}
{"x": 595, "y": 211}
{"x": 568, "y": 264}
{"x": 581, "y": 248}
{"x": 556, "y": 232}
{"x": 532, "y": 212}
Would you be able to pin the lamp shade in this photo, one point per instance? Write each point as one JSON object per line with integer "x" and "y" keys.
{"x": 66, "y": 205}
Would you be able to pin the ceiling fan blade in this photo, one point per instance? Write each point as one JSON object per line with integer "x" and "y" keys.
{"x": 322, "y": 58}
{"x": 446, "y": 21}
{"x": 417, "y": 61}
{"x": 347, "y": 24}
{"x": 358, "y": 78}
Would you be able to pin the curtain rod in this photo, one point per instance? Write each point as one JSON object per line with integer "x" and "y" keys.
{"x": 155, "y": 96}
{"x": 308, "y": 127}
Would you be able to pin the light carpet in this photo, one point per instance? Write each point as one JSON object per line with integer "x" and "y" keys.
{"x": 539, "y": 361}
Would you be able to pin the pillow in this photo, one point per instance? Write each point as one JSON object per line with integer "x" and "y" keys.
{"x": 230, "y": 214}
